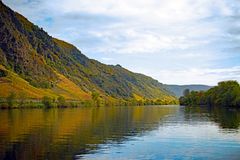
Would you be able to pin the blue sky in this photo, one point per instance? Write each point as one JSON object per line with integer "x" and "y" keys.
{"x": 173, "y": 41}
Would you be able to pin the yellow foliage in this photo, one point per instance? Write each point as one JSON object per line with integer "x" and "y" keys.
{"x": 138, "y": 97}
{"x": 65, "y": 87}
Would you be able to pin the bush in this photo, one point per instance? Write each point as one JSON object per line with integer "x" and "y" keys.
{"x": 61, "y": 102}
{"x": 96, "y": 99}
{"x": 3, "y": 73}
{"x": 11, "y": 99}
{"x": 89, "y": 103}
{"x": 47, "y": 101}
{"x": 22, "y": 98}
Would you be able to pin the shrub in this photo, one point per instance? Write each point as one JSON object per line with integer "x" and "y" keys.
{"x": 96, "y": 99}
{"x": 11, "y": 99}
{"x": 22, "y": 98}
{"x": 61, "y": 102}
{"x": 3, "y": 73}
{"x": 47, "y": 101}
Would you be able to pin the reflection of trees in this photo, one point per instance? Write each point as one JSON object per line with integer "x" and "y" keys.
{"x": 61, "y": 133}
{"x": 225, "y": 117}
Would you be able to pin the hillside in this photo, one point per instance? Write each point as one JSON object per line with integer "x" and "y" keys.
{"x": 178, "y": 89}
{"x": 36, "y": 64}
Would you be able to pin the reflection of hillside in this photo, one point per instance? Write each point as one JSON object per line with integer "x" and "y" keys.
{"x": 15, "y": 123}
{"x": 225, "y": 117}
{"x": 61, "y": 133}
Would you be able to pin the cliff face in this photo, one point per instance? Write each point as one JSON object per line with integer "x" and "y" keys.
{"x": 28, "y": 52}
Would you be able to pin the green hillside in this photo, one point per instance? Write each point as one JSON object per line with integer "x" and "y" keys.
{"x": 49, "y": 66}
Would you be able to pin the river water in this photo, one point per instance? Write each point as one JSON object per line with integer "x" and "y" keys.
{"x": 134, "y": 132}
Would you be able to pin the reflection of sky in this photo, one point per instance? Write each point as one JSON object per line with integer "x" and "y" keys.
{"x": 176, "y": 141}
{"x": 187, "y": 41}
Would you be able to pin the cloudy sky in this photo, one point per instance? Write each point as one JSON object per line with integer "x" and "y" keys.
{"x": 173, "y": 41}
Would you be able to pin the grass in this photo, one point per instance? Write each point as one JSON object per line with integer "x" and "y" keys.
{"x": 66, "y": 88}
{"x": 63, "y": 43}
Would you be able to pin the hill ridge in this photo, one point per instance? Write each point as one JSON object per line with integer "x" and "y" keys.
{"x": 41, "y": 60}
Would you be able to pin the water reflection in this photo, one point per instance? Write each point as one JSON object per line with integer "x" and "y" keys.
{"x": 62, "y": 133}
{"x": 228, "y": 118}
{"x": 85, "y": 132}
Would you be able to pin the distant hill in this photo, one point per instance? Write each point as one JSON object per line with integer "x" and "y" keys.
{"x": 178, "y": 89}
{"x": 34, "y": 64}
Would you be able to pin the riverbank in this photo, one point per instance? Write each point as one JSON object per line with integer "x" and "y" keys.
{"x": 47, "y": 102}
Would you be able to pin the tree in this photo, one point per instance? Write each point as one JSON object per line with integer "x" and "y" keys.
{"x": 96, "y": 98}
{"x": 3, "y": 73}
{"x": 95, "y": 95}
{"x": 47, "y": 101}
{"x": 22, "y": 98}
{"x": 11, "y": 99}
{"x": 182, "y": 100}
{"x": 61, "y": 101}
{"x": 226, "y": 94}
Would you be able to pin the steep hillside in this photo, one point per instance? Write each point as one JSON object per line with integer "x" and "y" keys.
{"x": 65, "y": 87}
{"x": 178, "y": 89}
{"x": 51, "y": 66}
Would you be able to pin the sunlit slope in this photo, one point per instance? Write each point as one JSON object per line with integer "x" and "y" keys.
{"x": 52, "y": 67}
{"x": 64, "y": 87}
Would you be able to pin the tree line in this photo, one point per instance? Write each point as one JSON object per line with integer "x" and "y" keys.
{"x": 226, "y": 94}
{"x": 20, "y": 100}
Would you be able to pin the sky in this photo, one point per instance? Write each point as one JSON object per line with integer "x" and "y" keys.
{"x": 173, "y": 41}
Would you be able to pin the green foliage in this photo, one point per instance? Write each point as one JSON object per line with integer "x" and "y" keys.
{"x": 3, "y": 73}
{"x": 22, "y": 98}
{"x": 226, "y": 94}
{"x": 61, "y": 102}
{"x": 11, "y": 99}
{"x": 31, "y": 104}
{"x": 95, "y": 96}
{"x": 88, "y": 103}
{"x": 39, "y": 83}
{"x": 47, "y": 102}
{"x": 96, "y": 99}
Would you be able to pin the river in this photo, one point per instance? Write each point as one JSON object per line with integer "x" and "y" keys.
{"x": 133, "y": 132}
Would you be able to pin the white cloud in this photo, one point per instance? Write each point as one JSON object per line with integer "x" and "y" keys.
{"x": 166, "y": 10}
{"x": 198, "y": 75}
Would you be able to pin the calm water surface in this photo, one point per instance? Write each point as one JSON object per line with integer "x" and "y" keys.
{"x": 149, "y": 132}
